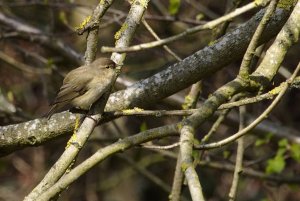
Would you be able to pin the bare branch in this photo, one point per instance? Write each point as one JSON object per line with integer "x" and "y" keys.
{"x": 256, "y": 121}
{"x": 187, "y": 166}
{"x": 245, "y": 66}
{"x": 239, "y": 158}
{"x": 105, "y": 152}
{"x": 209, "y": 25}
{"x": 161, "y": 85}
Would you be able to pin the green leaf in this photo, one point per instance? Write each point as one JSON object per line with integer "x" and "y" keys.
{"x": 260, "y": 142}
{"x": 174, "y": 6}
{"x": 196, "y": 141}
{"x": 196, "y": 155}
{"x": 265, "y": 140}
{"x": 63, "y": 18}
{"x": 260, "y": 2}
{"x": 275, "y": 165}
{"x": 283, "y": 143}
{"x": 143, "y": 127}
{"x": 226, "y": 154}
{"x": 295, "y": 152}
{"x": 200, "y": 16}
{"x": 281, "y": 151}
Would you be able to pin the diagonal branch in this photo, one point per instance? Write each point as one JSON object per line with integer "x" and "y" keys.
{"x": 209, "y": 25}
{"x": 88, "y": 124}
{"x": 165, "y": 83}
{"x": 256, "y": 121}
{"x": 105, "y": 152}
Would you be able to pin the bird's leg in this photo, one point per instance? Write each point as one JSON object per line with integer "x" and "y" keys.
{"x": 90, "y": 113}
{"x": 89, "y": 116}
{"x": 83, "y": 113}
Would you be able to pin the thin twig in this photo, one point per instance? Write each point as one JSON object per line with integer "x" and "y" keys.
{"x": 222, "y": 28}
{"x": 159, "y": 113}
{"x": 149, "y": 28}
{"x": 209, "y": 25}
{"x": 248, "y": 172}
{"x": 146, "y": 173}
{"x": 177, "y": 180}
{"x": 220, "y": 119}
{"x": 239, "y": 158}
{"x": 125, "y": 173}
{"x": 104, "y": 153}
{"x": 165, "y": 147}
{"x": 245, "y": 66}
{"x": 174, "y": 19}
{"x": 256, "y": 121}
{"x": 190, "y": 102}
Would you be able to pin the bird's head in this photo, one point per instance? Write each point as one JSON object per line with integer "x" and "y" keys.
{"x": 104, "y": 63}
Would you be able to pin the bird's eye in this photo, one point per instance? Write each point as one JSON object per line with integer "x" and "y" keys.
{"x": 110, "y": 66}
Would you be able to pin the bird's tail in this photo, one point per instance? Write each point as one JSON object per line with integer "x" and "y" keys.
{"x": 53, "y": 110}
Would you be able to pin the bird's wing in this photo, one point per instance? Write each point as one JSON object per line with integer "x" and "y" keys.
{"x": 73, "y": 86}
{"x": 75, "y": 74}
{"x": 67, "y": 93}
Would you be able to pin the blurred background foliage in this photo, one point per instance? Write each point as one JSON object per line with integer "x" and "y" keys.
{"x": 26, "y": 94}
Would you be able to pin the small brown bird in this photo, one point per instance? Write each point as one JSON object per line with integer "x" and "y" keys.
{"x": 84, "y": 85}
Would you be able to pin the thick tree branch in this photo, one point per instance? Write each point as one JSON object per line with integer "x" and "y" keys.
{"x": 195, "y": 67}
{"x": 256, "y": 121}
{"x": 178, "y": 76}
